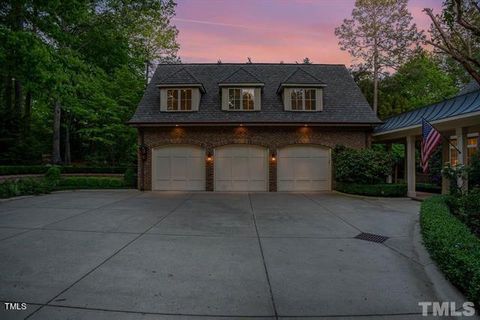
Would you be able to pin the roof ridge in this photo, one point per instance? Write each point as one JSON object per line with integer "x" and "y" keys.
{"x": 253, "y": 63}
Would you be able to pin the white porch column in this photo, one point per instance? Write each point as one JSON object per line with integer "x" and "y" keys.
{"x": 411, "y": 166}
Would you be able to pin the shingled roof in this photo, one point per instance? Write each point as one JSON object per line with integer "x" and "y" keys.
{"x": 343, "y": 100}
{"x": 241, "y": 76}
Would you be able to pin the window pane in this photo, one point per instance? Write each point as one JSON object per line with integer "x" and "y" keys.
{"x": 247, "y": 99}
{"x": 453, "y": 153}
{"x": 172, "y": 99}
{"x": 186, "y": 99}
{"x": 310, "y": 100}
{"x": 297, "y": 99}
{"x": 472, "y": 141}
{"x": 234, "y": 99}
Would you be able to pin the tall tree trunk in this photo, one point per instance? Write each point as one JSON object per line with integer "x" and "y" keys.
{"x": 17, "y": 113}
{"x": 8, "y": 95}
{"x": 57, "y": 114}
{"x": 27, "y": 113}
{"x": 67, "y": 155}
{"x": 375, "y": 79}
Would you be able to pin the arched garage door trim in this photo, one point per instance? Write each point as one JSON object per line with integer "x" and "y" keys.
{"x": 178, "y": 167}
{"x": 240, "y": 167}
{"x": 304, "y": 167}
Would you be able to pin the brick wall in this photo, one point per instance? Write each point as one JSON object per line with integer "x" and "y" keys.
{"x": 272, "y": 138}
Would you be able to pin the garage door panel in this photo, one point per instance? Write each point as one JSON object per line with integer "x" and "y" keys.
{"x": 240, "y": 168}
{"x": 303, "y": 168}
{"x": 178, "y": 168}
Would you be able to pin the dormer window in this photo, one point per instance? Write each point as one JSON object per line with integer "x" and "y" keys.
{"x": 303, "y": 99}
{"x": 241, "y": 99}
{"x": 179, "y": 99}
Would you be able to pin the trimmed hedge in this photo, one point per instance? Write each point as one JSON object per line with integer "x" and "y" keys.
{"x": 374, "y": 190}
{"x": 29, "y": 186}
{"x": 24, "y": 187}
{"x": 452, "y": 245}
{"x": 91, "y": 183}
{"x": 13, "y": 170}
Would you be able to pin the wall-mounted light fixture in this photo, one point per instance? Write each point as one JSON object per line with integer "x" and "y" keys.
{"x": 305, "y": 125}
{"x": 209, "y": 157}
{"x": 274, "y": 156}
{"x": 143, "y": 148}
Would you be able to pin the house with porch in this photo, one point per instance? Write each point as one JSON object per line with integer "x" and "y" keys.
{"x": 457, "y": 119}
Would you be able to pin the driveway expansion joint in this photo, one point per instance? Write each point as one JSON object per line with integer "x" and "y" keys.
{"x": 263, "y": 257}
{"x": 114, "y": 254}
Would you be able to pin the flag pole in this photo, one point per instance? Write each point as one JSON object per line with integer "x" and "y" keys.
{"x": 445, "y": 138}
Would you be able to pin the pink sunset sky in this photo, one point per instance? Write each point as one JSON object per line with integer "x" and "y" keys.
{"x": 269, "y": 30}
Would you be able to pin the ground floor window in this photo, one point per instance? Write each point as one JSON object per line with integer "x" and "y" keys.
{"x": 472, "y": 145}
{"x": 453, "y": 153}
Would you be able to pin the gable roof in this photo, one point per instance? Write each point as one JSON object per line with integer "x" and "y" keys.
{"x": 241, "y": 76}
{"x": 180, "y": 76}
{"x": 343, "y": 102}
{"x": 457, "y": 106}
{"x": 300, "y": 76}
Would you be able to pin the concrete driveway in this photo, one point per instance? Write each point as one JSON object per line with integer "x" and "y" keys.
{"x": 131, "y": 255}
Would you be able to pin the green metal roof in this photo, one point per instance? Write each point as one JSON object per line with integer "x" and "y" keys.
{"x": 459, "y": 105}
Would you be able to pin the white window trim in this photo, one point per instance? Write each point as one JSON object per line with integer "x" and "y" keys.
{"x": 179, "y": 100}
{"x": 318, "y": 105}
{"x": 164, "y": 99}
{"x": 256, "y": 99}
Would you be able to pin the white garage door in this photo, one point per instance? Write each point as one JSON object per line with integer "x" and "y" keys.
{"x": 178, "y": 168}
{"x": 303, "y": 168}
{"x": 241, "y": 168}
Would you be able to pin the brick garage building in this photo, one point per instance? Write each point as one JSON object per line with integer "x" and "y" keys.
{"x": 247, "y": 127}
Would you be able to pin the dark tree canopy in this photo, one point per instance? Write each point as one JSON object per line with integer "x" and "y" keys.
{"x": 83, "y": 61}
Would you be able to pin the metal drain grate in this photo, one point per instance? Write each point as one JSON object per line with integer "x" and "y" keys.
{"x": 371, "y": 237}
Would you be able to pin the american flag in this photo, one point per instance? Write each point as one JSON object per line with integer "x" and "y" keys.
{"x": 431, "y": 138}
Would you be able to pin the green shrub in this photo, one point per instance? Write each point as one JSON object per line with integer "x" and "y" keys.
{"x": 130, "y": 178}
{"x": 474, "y": 172}
{"x": 452, "y": 245}
{"x": 13, "y": 188}
{"x": 13, "y": 170}
{"x": 365, "y": 166}
{"x": 37, "y": 169}
{"x": 75, "y": 169}
{"x": 467, "y": 209}
{"x": 90, "y": 183}
{"x": 374, "y": 190}
{"x": 53, "y": 175}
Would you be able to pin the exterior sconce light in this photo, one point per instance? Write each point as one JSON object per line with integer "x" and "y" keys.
{"x": 143, "y": 151}
{"x": 274, "y": 157}
{"x": 209, "y": 157}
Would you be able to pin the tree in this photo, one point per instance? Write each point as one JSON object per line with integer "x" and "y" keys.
{"x": 456, "y": 33}
{"x": 73, "y": 71}
{"x": 379, "y": 36}
{"x": 417, "y": 83}
{"x": 307, "y": 60}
